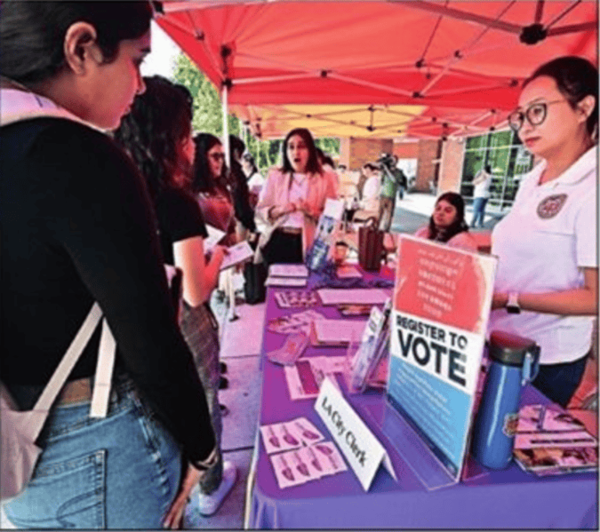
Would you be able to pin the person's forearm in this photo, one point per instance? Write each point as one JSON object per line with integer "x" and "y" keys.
{"x": 213, "y": 269}
{"x": 577, "y": 302}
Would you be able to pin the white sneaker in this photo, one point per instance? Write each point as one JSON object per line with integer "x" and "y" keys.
{"x": 209, "y": 504}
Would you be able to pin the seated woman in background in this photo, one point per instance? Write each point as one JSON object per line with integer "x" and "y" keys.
{"x": 212, "y": 186}
{"x": 157, "y": 134}
{"x": 293, "y": 199}
{"x": 546, "y": 284}
{"x": 447, "y": 223}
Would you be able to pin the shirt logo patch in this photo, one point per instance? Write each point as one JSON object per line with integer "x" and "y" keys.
{"x": 551, "y": 206}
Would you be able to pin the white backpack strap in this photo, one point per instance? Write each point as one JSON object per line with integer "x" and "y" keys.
{"x": 42, "y": 406}
{"x": 104, "y": 370}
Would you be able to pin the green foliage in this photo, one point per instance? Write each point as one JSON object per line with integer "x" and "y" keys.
{"x": 208, "y": 113}
{"x": 208, "y": 117}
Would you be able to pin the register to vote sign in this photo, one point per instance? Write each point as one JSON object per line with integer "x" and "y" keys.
{"x": 442, "y": 300}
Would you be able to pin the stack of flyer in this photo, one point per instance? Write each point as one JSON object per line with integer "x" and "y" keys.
{"x": 287, "y": 275}
{"x": 551, "y": 441}
{"x": 298, "y": 453}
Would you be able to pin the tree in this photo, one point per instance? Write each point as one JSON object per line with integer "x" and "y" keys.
{"x": 208, "y": 112}
{"x": 208, "y": 117}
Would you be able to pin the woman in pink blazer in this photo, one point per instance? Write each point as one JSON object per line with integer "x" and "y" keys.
{"x": 293, "y": 199}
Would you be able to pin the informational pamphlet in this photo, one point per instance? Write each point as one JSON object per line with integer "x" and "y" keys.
{"x": 294, "y": 323}
{"x": 285, "y": 281}
{"x": 441, "y": 305}
{"x": 320, "y": 250}
{"x": 337, "y": 332}
{"x": 305, "y": 377}
{"x": 298, "y": 453}
{"x": 288, "y": 270}
{"x": 296, "y": 298}
{"x": 235, "y": 254}
{"x": 353, "y": 296}
{"x": 550, "y": 441}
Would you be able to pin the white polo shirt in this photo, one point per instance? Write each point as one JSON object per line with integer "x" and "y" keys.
{"x": 542, "y": 245}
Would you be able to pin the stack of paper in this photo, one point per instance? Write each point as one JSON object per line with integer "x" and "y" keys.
{"x": 549, "y": 441}
{"x": 288, "y": 270}
{"x": 338, "y": 296}
{"x": 287, "y": 275}
{"x": 337, "y": 332}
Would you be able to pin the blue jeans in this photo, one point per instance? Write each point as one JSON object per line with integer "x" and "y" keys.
{"x": 120, "y": 472}
{"x": 478, "y": 211}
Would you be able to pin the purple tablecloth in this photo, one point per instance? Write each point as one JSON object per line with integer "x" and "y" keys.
{"x": 509, "y": 498}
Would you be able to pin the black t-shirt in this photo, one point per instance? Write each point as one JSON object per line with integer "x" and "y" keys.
{"x": 77, "y": 226}
{"x": 179, "y": 217}
{"x": 241, "y": 197}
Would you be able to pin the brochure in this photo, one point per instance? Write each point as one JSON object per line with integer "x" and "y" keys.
{"x": 296, "y": 298}
{"x": 550, "y": 441}
{"x": 329, "y": 332}
{"x": 313, "y": 462}
{"x": 304, "y": 378}
{"x": 235, "y": 254}
{"x": 353, "y": 296}
{"x": 294, "y": 323}
{"x": 355, "y": 310}
{"x": 543, "y": 461}
{"x": 320, "y": 250}
{"x": 288, "y": 270}
{"x": 348, "y": 271}
{"x": 285, "y": 281}
{"x": 371, "y": 348}
{"x": 292, "y": 350}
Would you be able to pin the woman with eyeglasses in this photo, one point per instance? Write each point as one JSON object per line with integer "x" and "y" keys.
{"x": 547, "y": 280}
{"x": 157, "y": 134}
{"x": 212, "y": 185}
{"x": 293, "y": 199}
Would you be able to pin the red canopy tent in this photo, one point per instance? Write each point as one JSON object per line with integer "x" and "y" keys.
{"x": 459, "y": 61}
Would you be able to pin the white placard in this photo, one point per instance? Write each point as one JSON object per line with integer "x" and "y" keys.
{"x": 358, "y": 444}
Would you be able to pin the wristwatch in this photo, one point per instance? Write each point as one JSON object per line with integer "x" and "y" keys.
{"x": 512, "y": 305}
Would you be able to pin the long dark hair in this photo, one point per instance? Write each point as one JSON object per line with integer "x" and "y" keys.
{"x": 250, "y": 160}
{"x": 457, "y": 226}
{"x": 575, "y": 78}
{"x": 32, "y": 33}
{"x": 153, "y": 132}
{"x": 313, "y": 165}
{"x": 202, "y": 180}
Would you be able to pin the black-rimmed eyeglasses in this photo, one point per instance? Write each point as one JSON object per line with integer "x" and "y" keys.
{"x": 535, "y": 114}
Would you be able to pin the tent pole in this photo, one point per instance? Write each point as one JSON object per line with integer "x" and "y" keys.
{"x": 232, "y": 315}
